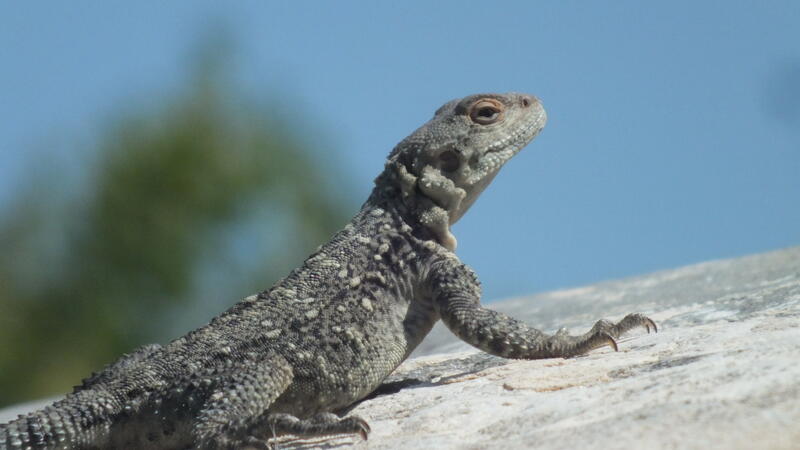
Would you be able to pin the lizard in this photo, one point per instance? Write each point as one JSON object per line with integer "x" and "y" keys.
{"x": 292, "y": 358}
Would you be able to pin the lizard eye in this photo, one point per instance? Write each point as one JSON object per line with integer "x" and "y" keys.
{"x": 486, "y": 111}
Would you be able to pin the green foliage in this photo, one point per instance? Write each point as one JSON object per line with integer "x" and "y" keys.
{"x": 87, "y": 277}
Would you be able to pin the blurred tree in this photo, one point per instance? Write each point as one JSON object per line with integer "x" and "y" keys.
{"x": 179, "y": 205}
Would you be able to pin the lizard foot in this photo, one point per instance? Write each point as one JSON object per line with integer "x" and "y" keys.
{"x": 603, "y": 333}
{"x": 628, "y": 323}
{"x": 321, "y": 424}
{"x": 257, "y": 437}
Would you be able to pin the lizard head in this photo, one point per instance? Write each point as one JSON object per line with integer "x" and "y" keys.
{"x": 451, "y": 159}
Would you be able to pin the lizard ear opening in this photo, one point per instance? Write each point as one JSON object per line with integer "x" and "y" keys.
{"x": 449, "y": 160}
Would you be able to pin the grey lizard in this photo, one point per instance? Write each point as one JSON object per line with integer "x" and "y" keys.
{"x": 288, "y": 359}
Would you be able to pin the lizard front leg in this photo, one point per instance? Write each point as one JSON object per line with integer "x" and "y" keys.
{"x": 456, "y": 292}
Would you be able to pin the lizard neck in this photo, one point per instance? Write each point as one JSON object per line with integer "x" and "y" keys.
{"x": 425, "y": 210}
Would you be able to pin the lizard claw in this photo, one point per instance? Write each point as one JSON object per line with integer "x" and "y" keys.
{"x": 649, "y": 324}
{"x": 364, "y": 429}
{"x": 608, "y": 339}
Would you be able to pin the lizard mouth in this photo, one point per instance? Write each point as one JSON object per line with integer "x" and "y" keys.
{"x": 517, "y": 140}
{"x": 499, "y": 153}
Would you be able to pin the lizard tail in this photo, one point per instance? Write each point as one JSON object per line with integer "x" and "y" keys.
{"x": 66, "y": 424}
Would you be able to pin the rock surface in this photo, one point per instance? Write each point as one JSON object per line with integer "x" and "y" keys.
{"x": 722, "y": 372}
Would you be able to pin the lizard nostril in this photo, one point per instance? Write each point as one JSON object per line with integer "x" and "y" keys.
{"x": 526, "y": 101}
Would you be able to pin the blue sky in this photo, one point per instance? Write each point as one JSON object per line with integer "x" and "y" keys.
{"x": 673, "y": 133}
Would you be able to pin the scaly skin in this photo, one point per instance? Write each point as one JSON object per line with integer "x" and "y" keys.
{"x": 286, "y": 360}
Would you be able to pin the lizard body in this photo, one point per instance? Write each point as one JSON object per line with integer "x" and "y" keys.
{"x": 286, "y": 360}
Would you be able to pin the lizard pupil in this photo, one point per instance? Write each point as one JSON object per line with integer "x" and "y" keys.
{"x": 487, "y": 112}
